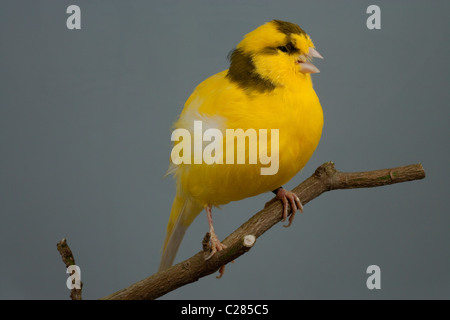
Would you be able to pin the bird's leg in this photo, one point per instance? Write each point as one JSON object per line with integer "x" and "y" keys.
{"x": 288, "y": 197}
{"x": 216, "y": 245}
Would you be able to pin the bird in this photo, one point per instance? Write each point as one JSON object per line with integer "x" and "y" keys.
{"x": 267, "y": 86}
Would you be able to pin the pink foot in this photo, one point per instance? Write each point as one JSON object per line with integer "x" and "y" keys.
{"x": 295, "y": 203}
{"x": 216, "y": 245}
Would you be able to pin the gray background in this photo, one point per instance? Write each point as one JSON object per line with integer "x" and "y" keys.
{"x": 85, "y": 121}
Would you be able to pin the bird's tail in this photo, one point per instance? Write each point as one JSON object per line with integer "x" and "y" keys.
{"x": 181, "y": 216}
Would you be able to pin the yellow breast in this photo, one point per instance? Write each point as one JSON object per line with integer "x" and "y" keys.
{"x": 293, "y": 109}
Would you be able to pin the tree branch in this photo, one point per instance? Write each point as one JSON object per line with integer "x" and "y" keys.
{"x": 68, "y": 259}
{"x": 325, "y": 178}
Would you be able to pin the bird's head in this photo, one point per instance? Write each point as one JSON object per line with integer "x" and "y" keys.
{"x": 277, "y": 53}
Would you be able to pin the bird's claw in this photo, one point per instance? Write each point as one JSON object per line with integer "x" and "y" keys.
{"x": 289, "y": 198}
{"x": 216, "y": 246}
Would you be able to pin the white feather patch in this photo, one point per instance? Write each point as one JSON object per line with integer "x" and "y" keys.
{"x": 189, "y": 117}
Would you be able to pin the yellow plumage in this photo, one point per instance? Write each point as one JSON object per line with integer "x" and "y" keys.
{"x": 268, "y": 86}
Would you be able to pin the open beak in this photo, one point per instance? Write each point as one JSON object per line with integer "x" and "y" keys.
{"x": 305, "y": 65}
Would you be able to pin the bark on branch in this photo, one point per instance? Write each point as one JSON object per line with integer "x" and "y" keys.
{"x": 68, "y": 259}
{"x": 325, "y": 178}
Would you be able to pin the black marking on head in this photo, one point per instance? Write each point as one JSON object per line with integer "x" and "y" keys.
{"x": 242, "y": 71}
{"x": 289, "y": 48}
{"x": 269, "y": 50}
{"x": 287, "y": 27}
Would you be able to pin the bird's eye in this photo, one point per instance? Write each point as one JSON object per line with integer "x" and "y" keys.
{"x": 283, "y": 48}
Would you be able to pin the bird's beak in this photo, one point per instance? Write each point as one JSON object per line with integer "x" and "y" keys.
{"x": 308, "y": 67}
{"x": 314, "y": 53}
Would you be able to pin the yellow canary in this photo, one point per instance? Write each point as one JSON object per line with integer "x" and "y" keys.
{"x": 267, "y": 86}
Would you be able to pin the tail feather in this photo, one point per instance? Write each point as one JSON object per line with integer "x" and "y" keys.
{"x": 181, "y": 216}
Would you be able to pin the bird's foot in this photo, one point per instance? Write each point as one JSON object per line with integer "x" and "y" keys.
{"x": 289, "y": 198}
{"x": 216, "y": 245}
